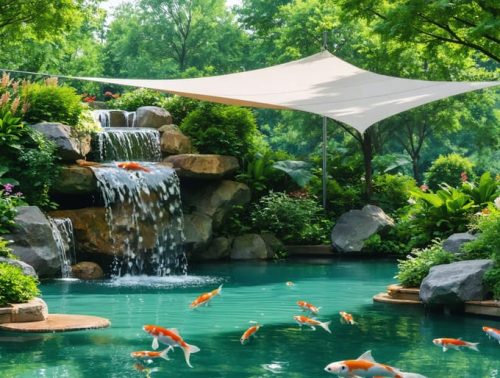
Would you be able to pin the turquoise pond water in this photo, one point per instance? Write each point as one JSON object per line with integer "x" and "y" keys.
{"x": 399, "y": 336}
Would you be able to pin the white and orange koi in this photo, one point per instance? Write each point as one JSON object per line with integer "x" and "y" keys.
{"x": 308, "y": 307}
{"x": 289, "y": 283}
{"x": 304, "y": 320}
{"x": 146, "y": 354}
{"x": 249, "y": 332}
{"x": 492, "y": 333}
{"x": 447, "y": 343}
{"x": 171, "y": 338}
{"x": 346, "y": 318}
{"x": 205, "y": 298}
{"x": 366, "y": 366}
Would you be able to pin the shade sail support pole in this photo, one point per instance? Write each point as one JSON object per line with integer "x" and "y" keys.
{"x": 324, "y": 173}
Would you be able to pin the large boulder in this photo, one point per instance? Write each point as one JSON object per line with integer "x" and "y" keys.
{"x": 26, "y": 268}
{"x": 218, "y": 249}
{"x": 216, "y": 199}
{"x": 274, "y": 245}
{"x": 355, "y": 226}
{"x": 203, "y": 166}
{"x": 173, "y": 141}
{"x": 87, "y": 270}
{"x": 69, "y": 148}
{"x": 249, "y": 246}
{"x": 74, "y": 179}
{"x": 454, "y": 243}
{"x": 152, "y": 116}
{"x": 34, "y": 243}
{"x": 197, "y": 230}
{"x": 455, "y": 283}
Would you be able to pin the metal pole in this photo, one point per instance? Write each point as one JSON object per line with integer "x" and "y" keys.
{"x": 324, "y": 138}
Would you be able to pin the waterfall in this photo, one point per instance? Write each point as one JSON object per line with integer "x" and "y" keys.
{"x": 114, "y": 118}
{"x": 62, "y": 231}
{"x": 120, "y": 143}
{"x": 144, "y": 216}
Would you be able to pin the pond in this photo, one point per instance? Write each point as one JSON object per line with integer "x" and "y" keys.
{"x": 398, "y": 336}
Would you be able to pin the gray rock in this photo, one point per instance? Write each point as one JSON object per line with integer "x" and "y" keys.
{"x": 152, "y": 116}
{"x": 173, "y": 141}
{"x": 218, "y": 249}
{"x": 69, "y": 148}
{"x": 455, "y": 283}
{"x": 203, "y": 166}
{"x": 274, "y": 245}
{"x": 217, "y": 199}
{"x": 455, "y": 241}
{"x": 249, "y": 246}
{"x": 26, "y": 268}
{"x": 33, "y": 241}
{"x": 355, "y": 226}
{"x": 197, "y": 230}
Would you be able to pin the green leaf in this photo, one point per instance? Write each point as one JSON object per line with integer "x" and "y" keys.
{"x": 299, "y": 171}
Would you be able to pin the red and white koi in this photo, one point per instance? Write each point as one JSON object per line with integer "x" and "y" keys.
{"x": 146, "y": 354}
{"x": 305, "y": 306}
{"x": 171, "y": 338}
{"x": 492, "y": 333}
{"x": 346, "y": 318}
{"x": 249, "y": 332}
{"x": 304, "y": 320}
{"x": 366, "y": 366}
{"x": 205, "y": 298}
{"x": 447, "y": 343}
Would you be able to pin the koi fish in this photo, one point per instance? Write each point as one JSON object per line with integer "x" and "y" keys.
{"x": 304, "y": 320}
{"x": 85, "y": 163}
{"x": 308, "y": 307}
{"x": 492, "y": 332}
{"x": 205, "y": 298}
{"x": 346, "y": 318}
{"x": 171, "y": 338}
{"x": 446, "y": 344}
{"x": 249, "y": 332}
{"x": 133, "y": 166}
{"x": 145, "y": 354}
{"x": 289, "y": 283}
{"x": 366, "y": 366}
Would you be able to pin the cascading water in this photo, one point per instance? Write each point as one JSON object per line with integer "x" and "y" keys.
{"x": 62, "y": 231}
{"x": 115, "y": 118}
{"x": 144, "y": 216}
{"x": 120, "y": 143}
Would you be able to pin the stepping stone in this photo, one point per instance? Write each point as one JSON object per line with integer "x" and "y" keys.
{"x": 58, "y": 323}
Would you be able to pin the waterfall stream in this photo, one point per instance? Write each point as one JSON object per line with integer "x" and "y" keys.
{"x": 62, "y": 231}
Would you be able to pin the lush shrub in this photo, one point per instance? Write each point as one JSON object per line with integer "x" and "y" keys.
{"x": 450, "y": 169}
{"x": 491, "y": 280}
{"x": 15, "y": 286}
{"x": 220, "y": 129}
{"x": 415, "y": 268}
{"x": 52, "y": 103}
{"x": 5, "y": 251}
{"x": 9, "y": 200}
{"x": 392, "y": 192}
{"x": 483, "y": 192}
{"x": 132, "y": 100}
{"x": 179, "y": 107}
{"x": 86, "y": 124}
{"x": 292, "y": 220}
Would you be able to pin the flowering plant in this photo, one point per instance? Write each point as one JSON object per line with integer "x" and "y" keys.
{"x": 9, "y": 200}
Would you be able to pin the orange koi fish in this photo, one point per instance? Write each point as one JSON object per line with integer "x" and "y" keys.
{"x": 366, "y": 366}
{"x": 171, "y": 338}
{"x": 145, "y": 354}
{"x": 249, "y": 332}
{"x": 447, "y": 343}
{"x": 304, "y": 320}
{"x": 205, "y": 298}
{"x": 308, "y": 307}
{"x": 133, "y": 166}
{"x": 85, "y": 163}
{"x": 346, "y": 318}
{"x": 492, "y": 333}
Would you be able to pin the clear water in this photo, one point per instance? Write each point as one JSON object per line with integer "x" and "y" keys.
{"x": 399, "y": 336}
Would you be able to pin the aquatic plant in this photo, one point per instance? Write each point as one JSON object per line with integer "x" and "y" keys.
{"x": 15, "y": 286}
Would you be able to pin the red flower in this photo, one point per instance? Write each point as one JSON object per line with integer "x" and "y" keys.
{"x": 89, "y": 99}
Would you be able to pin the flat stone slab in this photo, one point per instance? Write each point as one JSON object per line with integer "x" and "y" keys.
{"x": 386, "y": 298}
{"x": 58, "y": 323}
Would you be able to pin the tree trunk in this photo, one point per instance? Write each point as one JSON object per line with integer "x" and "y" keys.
{"x": 366, "y": 147}
{"x": 416, "y": 171}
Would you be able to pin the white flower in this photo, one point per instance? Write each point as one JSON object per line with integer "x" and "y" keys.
{"x": 497, "y": 202}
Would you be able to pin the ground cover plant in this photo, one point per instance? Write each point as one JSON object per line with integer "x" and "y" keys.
{"x": 15, "y": 286}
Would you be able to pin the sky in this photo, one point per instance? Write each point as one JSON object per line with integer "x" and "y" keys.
{"x": 110, "y": 4}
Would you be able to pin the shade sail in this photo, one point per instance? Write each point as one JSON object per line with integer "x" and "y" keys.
{"x": 322, "y": 84}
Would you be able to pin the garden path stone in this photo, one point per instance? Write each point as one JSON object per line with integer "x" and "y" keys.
{"x": 455, "y": 283}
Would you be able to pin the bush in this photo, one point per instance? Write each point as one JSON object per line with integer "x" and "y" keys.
{"x": 8, "y": 203}
{"x": 392, "y": 192}
{"x": 451, "y": 169}
{"x": 179, "y": 107}
{"x": 51, "y": 103}
{"x": 415, "y": 268}
{"x": 292, "y": 220}
{"x": 220, "y": 129}
{"x": 132, "y": 100}
{"x": 5, "y": 251}
{"x": 15, "y": 286}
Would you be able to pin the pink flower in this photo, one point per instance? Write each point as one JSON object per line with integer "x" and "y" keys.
{"x": 18, "y": 194}
{"x": 463, "y": 177}
{"x": 424, "y": 187}
{"x": 8, "y": 188}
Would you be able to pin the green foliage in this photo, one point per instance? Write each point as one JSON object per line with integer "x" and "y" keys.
{"x": 299, "y": 171}
{"x": 15, "y": 286}
{"x": 292, "y": 220}
{"x": 392, "y": 192}
{"x": 448, "y": 169}
{"x": 8, "y": 203}
{"x": 491, "y": 280}
{"x": 5, "y": 251}
{"x": 133, "y": 100}
{"x": 86, "y": 124}
{"x": 416, "y": 267}
{"x": 220, "y": 129}
{"x": 179, "y": 107}
{"x": 52, "y": 103}
{"x": 11, "y": 130}
{"x": 485, "y": 191}
{"x": 259, "y": 173}
{"x": 487, "y": 244}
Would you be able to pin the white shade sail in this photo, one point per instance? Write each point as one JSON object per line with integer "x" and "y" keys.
{"x": 322, "y": 84}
